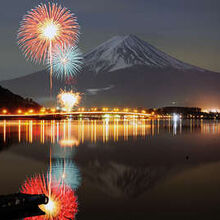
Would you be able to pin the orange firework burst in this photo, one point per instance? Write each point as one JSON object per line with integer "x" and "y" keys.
{"x": 45, "y": 27}
{"x": 68, "y": 99}
{"x": 62, "y": 200}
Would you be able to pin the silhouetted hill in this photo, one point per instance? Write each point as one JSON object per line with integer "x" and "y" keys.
{"x": 12, "y": 102}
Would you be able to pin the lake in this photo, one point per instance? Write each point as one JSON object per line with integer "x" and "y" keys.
{"x": 113, "y": 168}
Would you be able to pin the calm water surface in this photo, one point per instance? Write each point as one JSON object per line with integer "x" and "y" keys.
{"x": 115, "y": 169}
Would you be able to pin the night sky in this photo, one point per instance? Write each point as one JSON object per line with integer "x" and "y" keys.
{"x": 186, "y": 29}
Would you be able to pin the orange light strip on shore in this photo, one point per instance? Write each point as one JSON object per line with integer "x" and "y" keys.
{"x": 77, "y": 113}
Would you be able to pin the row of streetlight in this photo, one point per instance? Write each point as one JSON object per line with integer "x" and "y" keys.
{"x": 55, "y": 110}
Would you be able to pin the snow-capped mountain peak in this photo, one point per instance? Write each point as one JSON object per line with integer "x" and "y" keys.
{"x": 125, "y": 51}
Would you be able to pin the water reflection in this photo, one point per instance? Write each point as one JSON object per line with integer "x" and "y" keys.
{"x": 73, "y": 133}
{"x": 121, "y": 164}
{"x": 66, "y": 172}
{"x": 62, "y": 199}
{"x": 58, "y": 184}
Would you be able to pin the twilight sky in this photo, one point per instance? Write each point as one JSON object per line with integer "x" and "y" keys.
{"x": 186, "y": 29}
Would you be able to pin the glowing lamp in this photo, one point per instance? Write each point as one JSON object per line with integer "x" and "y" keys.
{"x": 4, "y": 111}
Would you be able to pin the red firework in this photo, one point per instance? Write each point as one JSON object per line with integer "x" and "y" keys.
{"x": 43, "y": 28}
{"x": 62, "y": 200}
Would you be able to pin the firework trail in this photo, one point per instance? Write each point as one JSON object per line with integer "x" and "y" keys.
{"x": 45, "y": 27}
{"x": 67, "y": 61}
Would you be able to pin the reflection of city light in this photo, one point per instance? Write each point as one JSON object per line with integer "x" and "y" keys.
{"x": 175, "y": 120}
{"x": 31, "y": 132}
{"x": 5, "y": 131}
{"x": 69, "y": 143}
{"x": 19, "y": 131}
{"x": 72, "y": 133}
{"x": 62, "y": 202}
{"x": 176, "y": 117}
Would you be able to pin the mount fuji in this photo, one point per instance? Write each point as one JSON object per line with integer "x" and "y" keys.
{"x": 126, "y": 51}
{"x": 127, "y": 71}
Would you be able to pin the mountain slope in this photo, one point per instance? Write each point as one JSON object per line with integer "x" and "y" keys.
{"x": 127, "y": 71}
{"x": 12, "y": 101}
{"x": 125, "y": 51}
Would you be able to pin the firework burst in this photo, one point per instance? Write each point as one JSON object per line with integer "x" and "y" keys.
{"x": 44, "y": 28}
{"x": 62, "y": 200}
{"x": 67, "y": 61}
{"x": 68, "y": 99}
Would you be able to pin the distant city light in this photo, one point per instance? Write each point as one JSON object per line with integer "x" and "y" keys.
{"x": 214, "y": 110}
{"x": 4, "y": 111}
{"x": 69, "y": 143}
